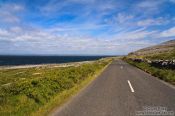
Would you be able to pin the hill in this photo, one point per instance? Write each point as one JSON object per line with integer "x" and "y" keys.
{"x": 160, "y": 51}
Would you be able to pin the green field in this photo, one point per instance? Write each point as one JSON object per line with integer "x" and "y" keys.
{"x": 167, "y": 75}
{"x": 30, "y": 91}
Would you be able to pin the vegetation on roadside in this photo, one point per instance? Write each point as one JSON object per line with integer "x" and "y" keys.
{"x": 165, "y": 74}
{"x": 25, "y": 91}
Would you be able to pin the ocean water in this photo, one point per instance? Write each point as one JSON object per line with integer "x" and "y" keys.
{"x": 28, "y": 60}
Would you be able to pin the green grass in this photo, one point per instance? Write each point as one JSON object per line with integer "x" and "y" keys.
{"x": 36, "y": 91}
{"x": 167, "y": 75}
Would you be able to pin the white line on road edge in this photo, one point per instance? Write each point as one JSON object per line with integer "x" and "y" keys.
{"x": 132, "y": 90}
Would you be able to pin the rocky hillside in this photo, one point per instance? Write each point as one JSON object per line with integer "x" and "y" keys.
{"x": 162, "y": 48}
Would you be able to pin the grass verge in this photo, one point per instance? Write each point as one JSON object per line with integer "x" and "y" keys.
{"x": 36, "y": 91}
{"x": 167, "y": 75}
{"x": 65, "y": 96}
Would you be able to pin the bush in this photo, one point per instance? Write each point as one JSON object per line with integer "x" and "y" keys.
{"x": 42, "y": 88}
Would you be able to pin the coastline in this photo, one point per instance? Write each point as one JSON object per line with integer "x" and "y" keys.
{"x": 46, "y": 65}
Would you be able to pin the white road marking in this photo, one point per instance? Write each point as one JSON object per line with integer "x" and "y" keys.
{"x": 132, "y": 90}
{"x": 121, "y": 67}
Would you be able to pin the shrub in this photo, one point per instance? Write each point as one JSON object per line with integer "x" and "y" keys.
{"x": 38, "y": 90}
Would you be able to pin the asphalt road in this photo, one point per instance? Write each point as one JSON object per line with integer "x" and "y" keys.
{"x": 121, "y": 90}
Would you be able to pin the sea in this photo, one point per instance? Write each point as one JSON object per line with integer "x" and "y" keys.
{"x": 9, "y": 60}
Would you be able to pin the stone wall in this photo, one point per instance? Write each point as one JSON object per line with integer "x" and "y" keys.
{"x": 170, "y": 64}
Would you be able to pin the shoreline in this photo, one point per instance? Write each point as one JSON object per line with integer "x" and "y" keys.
{"x": 46, "y": 65}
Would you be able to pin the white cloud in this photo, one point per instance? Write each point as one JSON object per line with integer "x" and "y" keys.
{"x": 148, "y": 7}
{"x": 122, "y": 18}
{"x": 3, "y": 32}
{"x": 49, "y": 42}
{"x": 8, "y": 17}
{"x": 135, "y": 35}
{"x": 168, "y": 33}
{"x": 149, "y": 22}
{"x": 16, "y": 29}
{"x": 8, "y": 13}
{"x": 151, "y": 4}
{"x": 90, "y": 9}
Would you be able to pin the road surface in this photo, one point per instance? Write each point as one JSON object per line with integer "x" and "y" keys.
{"x": 121, "y": 90}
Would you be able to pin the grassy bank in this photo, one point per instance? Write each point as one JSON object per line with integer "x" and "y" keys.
{"x": 36, "y": 91}
{"x": 167, "y": 75}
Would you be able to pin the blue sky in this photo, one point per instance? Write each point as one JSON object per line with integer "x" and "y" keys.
{"x": 84, "y": 27}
